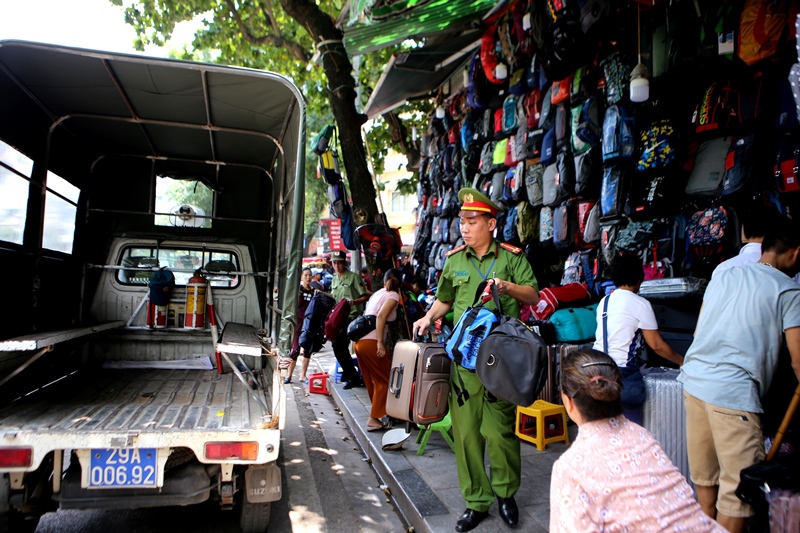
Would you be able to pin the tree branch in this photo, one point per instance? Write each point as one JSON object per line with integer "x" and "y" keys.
{"x": 399, "y": 134}
{"x": 266, "y": 9}
{"x": 276, "y": 40}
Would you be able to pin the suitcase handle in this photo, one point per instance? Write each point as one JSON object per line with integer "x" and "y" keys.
{"x": 396, "y": 380}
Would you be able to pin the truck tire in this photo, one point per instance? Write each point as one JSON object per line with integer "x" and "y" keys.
{"x": 253, "y": 517}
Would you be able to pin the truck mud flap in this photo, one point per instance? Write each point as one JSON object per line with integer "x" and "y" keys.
{"x": 263, "y": 483}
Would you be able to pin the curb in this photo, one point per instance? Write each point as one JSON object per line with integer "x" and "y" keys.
{"x": 372, "y": 448}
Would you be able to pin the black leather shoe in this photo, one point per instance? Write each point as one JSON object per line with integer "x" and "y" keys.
{"x": 349, "y": 385}
{"x": 470, "y": 520}
{"x": 509, "y": 511}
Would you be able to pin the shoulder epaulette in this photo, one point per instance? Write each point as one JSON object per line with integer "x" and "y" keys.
{"x": 455, "y": 250}
{"x": 513, "y": 249}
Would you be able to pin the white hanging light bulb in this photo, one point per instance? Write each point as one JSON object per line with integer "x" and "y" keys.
{"x": 501, "y": 71}
{"x": 440, "y": 111}
{"x": 640, "y": 85}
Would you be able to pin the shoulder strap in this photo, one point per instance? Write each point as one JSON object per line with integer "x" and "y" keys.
{"x": 605, "y": 324}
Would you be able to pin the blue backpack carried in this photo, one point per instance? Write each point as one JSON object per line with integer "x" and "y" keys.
{"x": 472, "y": 328}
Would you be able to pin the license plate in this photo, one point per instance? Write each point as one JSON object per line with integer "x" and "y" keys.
{"x": 123, "y": 467}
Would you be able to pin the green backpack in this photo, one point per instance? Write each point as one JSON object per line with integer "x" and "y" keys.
{"x": 527, "y": 222}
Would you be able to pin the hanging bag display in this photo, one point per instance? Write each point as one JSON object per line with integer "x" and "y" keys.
{"x": 709, "y": 168}
{"x": 787, "y": 164}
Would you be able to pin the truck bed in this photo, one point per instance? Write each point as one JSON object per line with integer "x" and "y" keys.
{"x": 141, "y": 407}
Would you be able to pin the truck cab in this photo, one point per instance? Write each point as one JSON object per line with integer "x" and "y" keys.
{"x": 150, "y": 231}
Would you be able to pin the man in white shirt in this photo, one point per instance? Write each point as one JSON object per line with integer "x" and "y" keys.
{"x": 754, "y": 223}
{"x": 628, "y": 323}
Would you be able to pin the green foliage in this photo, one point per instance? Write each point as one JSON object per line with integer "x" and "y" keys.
{"x": 190, "y": 192}
{"x": 408, "y": 186}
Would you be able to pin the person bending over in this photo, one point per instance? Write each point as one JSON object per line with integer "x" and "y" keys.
{"x": 625, "y": 321}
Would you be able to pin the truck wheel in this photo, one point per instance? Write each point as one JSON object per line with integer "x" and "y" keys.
{"x": 253, "y": 517}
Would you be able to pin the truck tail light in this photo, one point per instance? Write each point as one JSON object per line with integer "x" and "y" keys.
{"x": 16, "y": 457}
{"x": 232, "y": 450}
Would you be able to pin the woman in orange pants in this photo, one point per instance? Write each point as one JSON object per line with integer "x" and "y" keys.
{"x": 373, "y": 359}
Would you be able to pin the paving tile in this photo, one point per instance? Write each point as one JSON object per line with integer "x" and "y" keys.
{"x": 430, "y": 481}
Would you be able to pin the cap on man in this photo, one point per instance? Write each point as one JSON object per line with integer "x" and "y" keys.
{"x": 474, "y": 203}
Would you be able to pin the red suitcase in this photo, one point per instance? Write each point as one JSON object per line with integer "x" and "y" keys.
{"x": 419, "y": 382}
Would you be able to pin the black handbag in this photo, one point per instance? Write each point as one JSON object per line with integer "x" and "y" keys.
{"x": 361, "y": 326}
{"x": 512, "y": 362}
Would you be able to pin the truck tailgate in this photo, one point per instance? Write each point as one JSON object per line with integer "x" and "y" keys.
{"x": 141, "y": 408}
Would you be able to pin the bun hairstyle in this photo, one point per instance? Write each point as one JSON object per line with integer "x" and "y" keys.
{"x": 393, "y": 278}
{"x": 592, "y": 379}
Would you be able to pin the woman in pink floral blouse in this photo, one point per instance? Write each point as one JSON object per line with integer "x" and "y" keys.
{"x": 615, "y": 476}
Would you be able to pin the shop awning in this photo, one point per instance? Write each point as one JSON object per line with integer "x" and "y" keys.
{"x": 412, "y": 19}
{"x": 418, "y": 72}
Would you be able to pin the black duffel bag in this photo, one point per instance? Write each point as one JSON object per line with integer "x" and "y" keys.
{"x": 362, "y": 325}
{"x": 512, "y": 362}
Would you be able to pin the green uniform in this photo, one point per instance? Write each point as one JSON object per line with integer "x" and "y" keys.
{"x": 348, "y": 286}
{"x": 481, "y": 424}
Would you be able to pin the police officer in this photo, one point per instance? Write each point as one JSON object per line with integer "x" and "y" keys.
{"x": 483, "y": 421}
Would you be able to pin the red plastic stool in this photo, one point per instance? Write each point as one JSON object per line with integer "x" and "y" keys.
{"x": 318, "y": 383}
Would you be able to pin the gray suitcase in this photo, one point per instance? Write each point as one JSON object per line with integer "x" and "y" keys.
{"x": 663, "y": 414}
{"x": 419, "y": 382}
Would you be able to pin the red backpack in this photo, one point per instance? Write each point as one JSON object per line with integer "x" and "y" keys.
{"x": 533, "y": 108}
{"x": 336, "y": 319}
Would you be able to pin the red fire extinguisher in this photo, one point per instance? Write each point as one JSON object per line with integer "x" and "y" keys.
{"x": 195, "y": 302}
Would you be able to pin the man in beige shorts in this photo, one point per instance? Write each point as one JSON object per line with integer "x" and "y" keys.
{"x": 746, "y": 312}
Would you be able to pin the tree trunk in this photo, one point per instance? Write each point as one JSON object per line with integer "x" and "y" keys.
{"x": 341, "y": 94}
{"x": 400, "y": 138}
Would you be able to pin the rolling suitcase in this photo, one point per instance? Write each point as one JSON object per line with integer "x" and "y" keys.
{"x": 551, "y": 391}
{"x": 663, "y": 414}
{"x": 419, "y": 382}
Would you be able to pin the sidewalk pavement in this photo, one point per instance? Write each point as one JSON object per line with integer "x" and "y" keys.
{"x": 425, "y": 488}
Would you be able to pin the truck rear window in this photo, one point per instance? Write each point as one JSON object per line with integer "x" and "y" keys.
{"x": 182, "y": 262}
